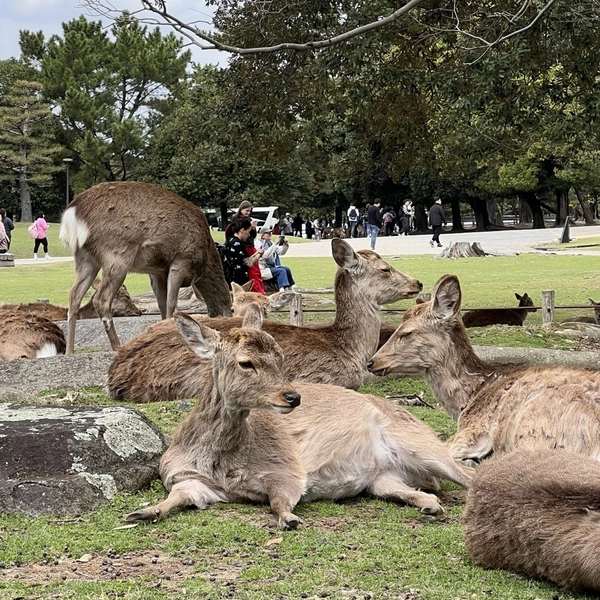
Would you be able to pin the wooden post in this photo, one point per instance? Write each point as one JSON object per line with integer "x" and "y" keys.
{"x": 547, "y": 306}
{"x": 296, "y": 316}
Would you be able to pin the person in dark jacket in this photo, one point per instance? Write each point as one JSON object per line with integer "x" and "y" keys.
{"x": 236, "y": 251}
{"x": 437, "y": 217}
{"x": 374, "y": 221}
{"x": 8, "y": 225}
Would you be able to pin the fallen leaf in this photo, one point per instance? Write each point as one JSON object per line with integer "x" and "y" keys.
{"x": 129, "y": 526}
{"x": 85, "y": 558}
{"x": 274, "y": 541}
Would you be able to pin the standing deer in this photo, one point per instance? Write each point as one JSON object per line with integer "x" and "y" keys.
{"x": 24, "y": 335}
{"x": 122, "y": 306}
{"x": 156, "y": 365}
{"x": 127, "y": 226}
{"x": 537, "y": 513}
{"x": 497, "y": 409}
{"x": 499, "y": 316}
{"x": 336, "y": 444}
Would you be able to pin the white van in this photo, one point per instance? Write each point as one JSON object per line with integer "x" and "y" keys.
{"x": 267, "y": 217}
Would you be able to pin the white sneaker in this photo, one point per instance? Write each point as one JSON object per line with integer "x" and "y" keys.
{"x": 35, "y": 257}
{"x": 47, "y": 257}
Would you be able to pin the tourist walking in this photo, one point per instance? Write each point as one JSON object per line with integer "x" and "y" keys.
{"x": 40, "y": 240}
{"x": 437, "y": 217}
{"x": 353, "y": 215}
{"x": 8, "y": 225}
{"x": 374, "y": 221}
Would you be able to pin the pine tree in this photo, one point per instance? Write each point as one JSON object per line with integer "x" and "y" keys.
{"x": 26, "y": 143}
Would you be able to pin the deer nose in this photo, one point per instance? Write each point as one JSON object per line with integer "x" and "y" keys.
{"x": 419, "y": 284}
{"x": 369, "y": 365}
{"x": 292, "y": 398}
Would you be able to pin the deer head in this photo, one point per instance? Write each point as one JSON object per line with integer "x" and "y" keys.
{"x": 243, "y": 299}
{"x": 524, "y": 301}
{"x": 428, "y": 332}
{"x": 247, "y": 363}
{"x": 379, "y": 282}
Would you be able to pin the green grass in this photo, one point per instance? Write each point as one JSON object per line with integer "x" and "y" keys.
{"x": 359, "y": 548}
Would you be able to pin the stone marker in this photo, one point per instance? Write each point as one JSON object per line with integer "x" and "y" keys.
{"x": 71, "y": 460}
{"x": 7, "y": 260}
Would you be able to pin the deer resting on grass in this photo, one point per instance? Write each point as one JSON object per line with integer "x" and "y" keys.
{"x": 24, "y": 335}
{"x": 499, "y": 316}
{"x": 497, "y": 409}
{"x": 243, "y": 298}
{"x": 240, "y": 444}
{"x": 128, "y": 226}
{"x": 157, "y": 365}
{"x": 595, "y": 319}
{"x": 537, "y": 513}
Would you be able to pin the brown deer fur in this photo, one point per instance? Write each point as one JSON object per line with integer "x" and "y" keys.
{"x": 499, "y": 316}
{"x": 25, "y": 335}
{"x": 497, "y": 409}
{"x": 537, "y": 513}
{"x": 335, "y": 444}
{"x": 122, "y": 306}
{"x": 242, "y": 299}
{"x": 127, "y": 226}
{"x": 156, "y": 365}
{"x": 595, "y": 319}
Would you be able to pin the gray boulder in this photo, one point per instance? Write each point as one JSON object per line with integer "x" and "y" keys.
{"x": 71, "y": 460}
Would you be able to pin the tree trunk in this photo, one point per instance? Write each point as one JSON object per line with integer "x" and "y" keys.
{"x": 462, "y": 250}
{"x": 525, "y": 214}
{"x": 223, "y": 209}
{"x": 585, "y": 207}
{"x": 562, "y": 207}
{"x": 456, "y": 217}
{"x": 420, "y": 218}
{"x": 25, "y": 194}
{"x": 536, "y": 209}
{"x": 482, "y": 219}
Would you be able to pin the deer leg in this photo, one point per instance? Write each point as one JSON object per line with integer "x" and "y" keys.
{"x": 390, "y": 486}
{"x": 174, "y": 281}
{"x": 189, "y": 492}
{"x": 110, "y": 284}
{"x": 468, "y": 448}
{"x": 284, "y": 493}
{"x": 159, "y": 287}
{"x": 85, "y": 273}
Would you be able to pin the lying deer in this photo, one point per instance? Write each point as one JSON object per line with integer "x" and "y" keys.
{"x": 156, "y": 365}
{"x": 24, "y": 335}
{"x": 499, "y": 316}
{"x": 122, "y": 306}
{"x": 127, "y": 226}
{"x": 497, "y": 409}
{"x": 537, "y": 513}
{"x": 240, "y": 444}
{"x": 595, "y": 319}
{"x": 243, "y": 298}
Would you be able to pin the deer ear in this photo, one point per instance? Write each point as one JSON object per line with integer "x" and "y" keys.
{"x": 343, "y": 254}
{"x": 253, "y": 318}
{"x": 519, "y": 297}
{"x": 200, "y": 339}
{"x": 247, "y": 287}
{"x": 236, "y": 289}
{"x": 592, "y": 303}
{"x": 446, "y": 297}
{"x": 280, "y": 299}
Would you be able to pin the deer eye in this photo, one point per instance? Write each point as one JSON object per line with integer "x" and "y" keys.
{"x": 405, "y": 334}
{"x": 385, "y": 270}
{"x": 246, "y": 364}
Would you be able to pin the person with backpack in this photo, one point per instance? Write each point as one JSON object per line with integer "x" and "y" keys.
{"x": 41, "y": 227}
{"x": 244, "y": 213}
{"x": 237, "y": 261}
{"x": 353, "y": 219}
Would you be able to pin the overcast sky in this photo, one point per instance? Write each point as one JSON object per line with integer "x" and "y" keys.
{"x": 48, "y": 16}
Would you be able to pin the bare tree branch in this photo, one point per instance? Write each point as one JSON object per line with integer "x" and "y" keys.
{"x": 155, "y": 12}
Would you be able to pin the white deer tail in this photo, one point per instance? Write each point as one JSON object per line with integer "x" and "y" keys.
{"x": 73, "y": 231}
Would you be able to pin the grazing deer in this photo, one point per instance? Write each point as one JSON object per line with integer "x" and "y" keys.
{"x": 499, "y": 316}
{"x": 127, "y": 226}
{"x": 122, "y": 306}
{"x": 156, "y": 365}
{"x": 243, "y": 298}
{"x": 498, "y": 409}
{"x": 336, "y": 443}
{"x": 24, "y": 335}
{"x": 595, "y": 319}
{"x": 537, "y": 513}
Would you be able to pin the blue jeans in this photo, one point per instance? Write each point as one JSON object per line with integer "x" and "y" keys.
{"x": 283, "y": 276}
{"x": 372, "y": 231}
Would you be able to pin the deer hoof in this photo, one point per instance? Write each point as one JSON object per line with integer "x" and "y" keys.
{"x": 144, "y": 515}
{"x": 289, "y": 522}
{"x": 432, "y": 512}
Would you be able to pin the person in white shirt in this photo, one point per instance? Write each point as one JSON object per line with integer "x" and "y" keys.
{"x": 270, "y": 265}
{"x": 353, "y": 215}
